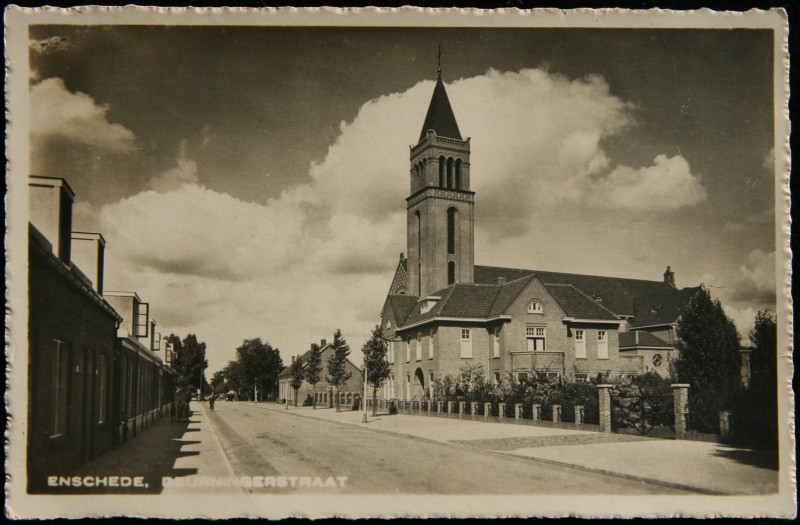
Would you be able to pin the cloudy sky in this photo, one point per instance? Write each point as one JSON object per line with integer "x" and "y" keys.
{"x": 250, "y": 182}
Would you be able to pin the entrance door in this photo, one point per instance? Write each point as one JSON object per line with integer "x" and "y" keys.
{"x": 419, "y": 384}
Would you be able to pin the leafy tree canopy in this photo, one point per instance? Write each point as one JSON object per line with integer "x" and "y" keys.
{"x": 375, "y": 350}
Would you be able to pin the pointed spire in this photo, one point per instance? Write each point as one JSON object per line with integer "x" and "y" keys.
{"x": 440, "y": 117}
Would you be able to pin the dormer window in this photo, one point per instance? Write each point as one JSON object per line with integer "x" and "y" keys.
{"x": 535, "y": 307}
{"x": 427, "y": 303}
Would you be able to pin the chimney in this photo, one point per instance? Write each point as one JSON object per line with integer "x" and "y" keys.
{"x": 501, "y": 280}
{"x": 402, "y": 256}
{"x": 322, "y": 343}
{"x": 88, "y": 252}
{"x": 669, "y": 277}
{"x": 293, "y": 357}
{"x": 50, "y": 202}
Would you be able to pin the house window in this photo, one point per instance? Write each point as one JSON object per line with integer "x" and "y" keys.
{"x": 418, "y": 348}
{"x": 535, "y": 307}
{"x": 552, "y": 375}
{"x": 430, "y": 385}
{"x": 58, "y": 421}
{"x": 581, "y": 378}
{"x": 522, "y": 376}
{"x": 535, "y": 336}
{"x": 103, "y": 371}
{"x": 408, "y": 350}
{"x": 496, "y": 343}
{"x": 466, "y": 343}
{"x": 408, "y": 387}
{"x": 497, "y": 378}
{"x": 580, "y": 344}
{"x": 657, "y": 360}
{"x": 430, "y": 345}
{"x": 602, "y": 344}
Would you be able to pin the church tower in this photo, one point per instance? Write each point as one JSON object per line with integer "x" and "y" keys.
{"x": 440, "y": 206}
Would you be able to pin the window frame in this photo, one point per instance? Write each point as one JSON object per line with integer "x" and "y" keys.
{"x": 602, "y": 344}
{"x": 532, "y": 334}
{"x": 496, "y": 343}
{"x": 466, "y": 343}
{"x": 535, "y": 307}
{"x": 430, "y": 344}
{"x": 580, "y": 343}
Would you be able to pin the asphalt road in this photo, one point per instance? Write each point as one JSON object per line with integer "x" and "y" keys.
{"x": 261, "y": 442}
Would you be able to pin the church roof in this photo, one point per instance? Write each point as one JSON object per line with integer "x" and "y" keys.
{"x": 661, "y": 308}
{"x": 614, "y": 293}
{"x": 400, "y": 281}
{"x": 440, "y": 117}
{"x": 641, "y": 339}
{"x": 401, "y": 305}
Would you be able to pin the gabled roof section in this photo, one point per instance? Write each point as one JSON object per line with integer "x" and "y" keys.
{"x": 641, "y": 339}
{"x": 615, "y": 293}
{"x": 661, "y": 308}
{"x": 460, "y": 300}
{"x": 287, "y": 372}
{"x": 440, "y": 117}
{"x": 401, "y": 305}
{"x": 400, "y": 281}
{"x": 577, "y": 304}
{"x": 508, "y": 293}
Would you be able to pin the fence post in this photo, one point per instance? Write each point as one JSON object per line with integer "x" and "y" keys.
{"x": 724, "y": 423}
{"x": 578, "y": 414}
{"x": 487, "y": 410}
{"x": 473, "y": 409}
{"x": 450, "y": 405}
{"x": 680, "y": 403}
{"x": 461, "y": 405}
{"x": 517, "y": 412}
{"x": 438, "y": 407}
{"x": 536, "y": 411}
{"x": 604, "y": 394}
{"x": 556, "y": 413}
{"x": 501, "y": 410}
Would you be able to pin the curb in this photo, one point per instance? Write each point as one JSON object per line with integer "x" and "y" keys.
{"x": 229, "y": 467}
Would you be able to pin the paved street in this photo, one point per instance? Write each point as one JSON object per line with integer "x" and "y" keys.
{"x": 264, "y": 442}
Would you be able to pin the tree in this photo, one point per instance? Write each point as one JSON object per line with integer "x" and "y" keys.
{"x": 338, "y": 375}
{"x": 259, "y": 365}
{"x": 218, "y": 382}
{"x": 297, "y": 376}
{"x": 190, "y": 362}
{"x": 313, "y": 370}
{"x": 377, "y": 366}
{"x": 764, "y": 359}
{"x": 708, "y": 359}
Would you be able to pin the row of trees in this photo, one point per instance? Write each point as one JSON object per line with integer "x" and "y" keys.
{"x": 254, "y": 371}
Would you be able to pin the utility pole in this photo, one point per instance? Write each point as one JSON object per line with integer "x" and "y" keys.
{"x": 255, "y": 392}
{"x": 364, "y": 419}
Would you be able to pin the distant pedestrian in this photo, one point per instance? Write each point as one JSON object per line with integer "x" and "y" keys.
{"x": 186, "y": 411}
{"x": 211, "y": 403}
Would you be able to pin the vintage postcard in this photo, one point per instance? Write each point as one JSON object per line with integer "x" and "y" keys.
{"x": 398, "y": 263}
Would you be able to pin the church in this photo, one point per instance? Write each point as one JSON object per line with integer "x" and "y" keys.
{"x": 444, "y": 311}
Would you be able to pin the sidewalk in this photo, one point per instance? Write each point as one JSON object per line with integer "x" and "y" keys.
{"x": 173, "y": 450}
{"x": 710, "y": 468}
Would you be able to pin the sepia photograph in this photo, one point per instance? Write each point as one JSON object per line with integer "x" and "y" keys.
{"x": 398, "y": 263}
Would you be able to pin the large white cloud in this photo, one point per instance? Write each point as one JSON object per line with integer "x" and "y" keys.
{"x": 56, "y": 111}
{"x": 321, "y": 255}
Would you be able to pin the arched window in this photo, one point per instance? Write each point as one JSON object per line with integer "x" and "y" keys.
{"x": 441, "y": 172}
{"x": 451, "y": 272}
{"x": 419, "y": 251}
{"x": 458, "y": 174}
{"x": 449, "y": 173}
{"x": 452, "y": 215}
{"x": 535, "y": 307}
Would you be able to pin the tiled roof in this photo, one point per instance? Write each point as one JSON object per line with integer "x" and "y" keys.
{"x": 615, "y": 293}
{"x": 287, "y": 372}
{"x": 661, "y": 308}
{"x": 440, "y": 117}
{"x": 576, "y": 304}
{"x": 641, "y": 339}
{"x": 508, "y": 294}
{"x": 400, "y": 281}
{"x": 401, "y": 305}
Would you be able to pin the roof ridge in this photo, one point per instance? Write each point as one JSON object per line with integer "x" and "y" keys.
{"x": 573, "y": 274}
{"x": 502, "y": 286}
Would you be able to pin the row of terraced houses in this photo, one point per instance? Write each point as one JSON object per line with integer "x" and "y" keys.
{"x": 96, "y": 375}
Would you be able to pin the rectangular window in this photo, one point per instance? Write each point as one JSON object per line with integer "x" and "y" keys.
{"x": 581, "y": 378}
{"x": 430, "y": 345}
{"x": 580, "y": 344}
{"x": 602, "y": 344}
{"x": 522, "y": 376}
{"x": 58, "y": 421}
{"x": 496, "y": 343}
{"x": 497, "y": 378}
{"x": 466, "y": 343}
{"x": 408, "y": 388}
{"x": 430, "y": 384}
{"x": 418, "y": 348}
{"x": 535, "y": 336}
{"x": 408, "y": 350}
{"x": 103, "y": 371}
